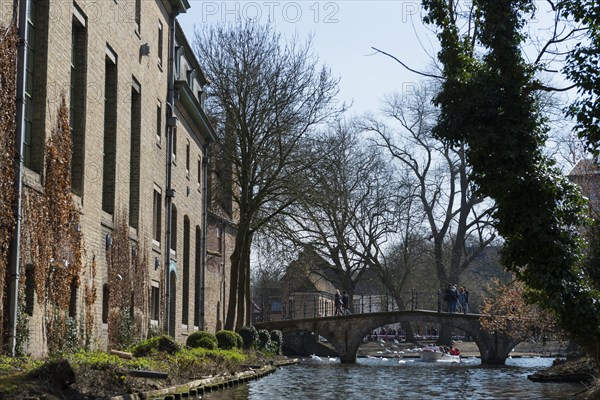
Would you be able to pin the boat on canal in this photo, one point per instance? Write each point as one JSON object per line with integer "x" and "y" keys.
{"x": 436, "y": 355}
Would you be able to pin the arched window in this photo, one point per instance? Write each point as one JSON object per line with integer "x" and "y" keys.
{"x": 197, "y": 276}
{"x": 185, "y": 300}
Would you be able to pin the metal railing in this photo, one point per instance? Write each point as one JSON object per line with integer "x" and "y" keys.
{"x": 309, "y": 305}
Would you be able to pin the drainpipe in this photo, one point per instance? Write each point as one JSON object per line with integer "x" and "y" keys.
{"x": 171, "y": 129}
{"x": 205, "y": 201}
{"x": 15, "y": 245}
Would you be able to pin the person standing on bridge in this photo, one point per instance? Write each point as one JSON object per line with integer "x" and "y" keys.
{"x": 451, "y": 298}
{"x": 466, "y": 300}
{"x": 461, "y": 300}
{"x": 345, "y": 303}
{"x": 338, "y": 303}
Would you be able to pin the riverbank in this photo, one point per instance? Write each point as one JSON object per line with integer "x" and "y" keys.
{"x": 93, "y": 376}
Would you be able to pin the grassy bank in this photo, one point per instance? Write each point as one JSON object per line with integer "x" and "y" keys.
{"x": 98, "y": 375}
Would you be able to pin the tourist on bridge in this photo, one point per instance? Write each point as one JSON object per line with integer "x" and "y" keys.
{"x": 461, "y": 300}
{"x": 451, "y": 297}
{"x": 338, "y": 303}
{"x": 345, "y": 303}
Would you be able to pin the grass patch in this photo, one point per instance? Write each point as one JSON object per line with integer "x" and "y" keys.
{"x": 98, "y": 374}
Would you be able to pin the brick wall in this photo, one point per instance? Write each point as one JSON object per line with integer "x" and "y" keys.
{"x": 111, "y": 29}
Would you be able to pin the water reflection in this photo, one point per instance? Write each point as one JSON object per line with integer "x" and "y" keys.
{"x": 391, "y": 379}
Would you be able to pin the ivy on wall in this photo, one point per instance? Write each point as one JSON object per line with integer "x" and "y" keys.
{"x": 127, "y": 270}
{"x": 52, "y": 239}
{"x": 8, "y": 64}
{"x": 89, "y": 297}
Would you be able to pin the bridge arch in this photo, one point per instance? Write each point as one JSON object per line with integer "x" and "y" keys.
{"x": 346, "y": 332}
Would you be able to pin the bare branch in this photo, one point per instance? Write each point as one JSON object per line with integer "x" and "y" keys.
{"x": 406, "y": 66}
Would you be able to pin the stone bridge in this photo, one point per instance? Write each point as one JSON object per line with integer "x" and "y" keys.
{"x": 346, "y": 332}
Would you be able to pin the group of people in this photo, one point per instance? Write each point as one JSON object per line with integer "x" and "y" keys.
{"x": 341, "y": 303}
{"x": 457, "y": 298}
{"x": 453, "y": 351}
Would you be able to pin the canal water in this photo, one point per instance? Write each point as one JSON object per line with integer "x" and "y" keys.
{"x": 375, "y": 378}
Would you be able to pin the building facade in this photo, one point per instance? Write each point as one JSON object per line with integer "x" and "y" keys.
{"x": 140, "y": 157}
{"x": 586, "y": 174}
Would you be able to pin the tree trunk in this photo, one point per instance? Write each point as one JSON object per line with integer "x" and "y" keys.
{"x": 409, "y": 333}
{"x": 241, "y": 298}
{"x": 445, "y": 336}
{"x": 240, "y": 278}
{"x": 233, "y": 287}
{"x": 248, "y": 320}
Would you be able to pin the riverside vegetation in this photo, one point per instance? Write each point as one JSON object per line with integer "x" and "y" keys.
{"x": 100, "y": 375}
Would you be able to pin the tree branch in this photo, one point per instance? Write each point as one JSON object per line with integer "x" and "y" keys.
{"x": 406, "y": 66}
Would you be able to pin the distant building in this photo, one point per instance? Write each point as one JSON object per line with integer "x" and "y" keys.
{"x": 586, "y": 174}
{"x": 307, "y": 289}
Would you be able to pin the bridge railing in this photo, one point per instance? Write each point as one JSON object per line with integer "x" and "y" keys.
{"x": 309, "y": 305}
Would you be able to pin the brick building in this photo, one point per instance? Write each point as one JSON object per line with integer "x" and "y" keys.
{"x": 141, "y": 146}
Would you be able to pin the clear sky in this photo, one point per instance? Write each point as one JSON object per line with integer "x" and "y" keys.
{"x": 344, "y": 32}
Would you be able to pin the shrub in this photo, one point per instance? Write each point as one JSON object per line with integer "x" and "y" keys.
{"x": 264, "y": 339}
{"x": 276, "y": 342}
{"x": 239, "y": 340}
{"x": 203, "y": 339}
{"x": 249, "y": 335}
{"x": 226, "y": 339}
{"x": 156, "y": 344}
{"x": 206, "y": 343}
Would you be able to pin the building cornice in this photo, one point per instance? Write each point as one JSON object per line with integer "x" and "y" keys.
{"x": 190, "y": 103}
{"x": 189, "y": 53}
{"x": 178, "y": 6}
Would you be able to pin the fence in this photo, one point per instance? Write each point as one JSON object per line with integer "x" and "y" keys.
{"x": 309, "y": 305}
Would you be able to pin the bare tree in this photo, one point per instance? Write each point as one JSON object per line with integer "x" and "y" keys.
{"x": 266, "y": 95}
{"x": 403, "y": 264}
{"x": 454, "y": 215}
{"x": 457, "y": 219}
{"x": 348, "y": 213}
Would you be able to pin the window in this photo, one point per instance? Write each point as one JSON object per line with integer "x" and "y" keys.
{"x": 173, "y": 229}
{"x": 154, "y": 301}
{"x": 30, "y": 84}
{"x": 78, "y": 99}
{"x": 134, "y": 161}
{"x": 35, "y": 86}
{"x": 276, "y": 306}
{"x": 156, "y": 216}
{"x": 110, "y": 133}
{"x": 185, "y": 300}
{"x": 160, "y": 44}
{"x": 158, "y": 122}
{"x": 73, "y": 299}
{"x": 174, "y": 133}
{"x": 199, "y": 173}
{"x": 29, "y": 289}
{"x": 105, "y": 303}
{"x": 138, "y": 15}
{"x": 197, "y": 276}
{"x": 187, "y": 160}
